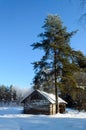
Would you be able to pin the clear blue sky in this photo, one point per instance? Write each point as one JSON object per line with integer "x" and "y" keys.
{"x": 20, "y": 24}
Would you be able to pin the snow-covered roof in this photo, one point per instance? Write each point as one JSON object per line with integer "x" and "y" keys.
{"x": 49, "y": 96}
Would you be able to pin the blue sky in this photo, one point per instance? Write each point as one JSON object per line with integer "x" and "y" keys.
{"x": 20, "y": 24}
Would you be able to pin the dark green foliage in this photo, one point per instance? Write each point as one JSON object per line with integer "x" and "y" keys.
{"x": 58, "y": 55}
{"x": 61, "y": 67}
{"x": 7, "y": 94}
{"x": 80, "y": 59}
{"x": 59, "y": 61}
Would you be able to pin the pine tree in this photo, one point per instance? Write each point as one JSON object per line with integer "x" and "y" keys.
{"x": 58, "y": 62}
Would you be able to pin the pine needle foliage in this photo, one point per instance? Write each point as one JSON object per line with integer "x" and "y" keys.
{"x": 58, "y": 63}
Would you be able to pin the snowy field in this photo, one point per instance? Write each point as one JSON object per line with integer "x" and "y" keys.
{"x": 12, "y": 119}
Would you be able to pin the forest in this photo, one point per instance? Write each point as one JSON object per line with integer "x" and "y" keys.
{"x": 11, "y": 95}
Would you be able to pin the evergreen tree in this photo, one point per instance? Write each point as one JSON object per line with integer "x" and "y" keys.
{"x": 58, "y": 62}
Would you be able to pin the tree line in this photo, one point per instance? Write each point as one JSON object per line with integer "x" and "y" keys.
{"x": 11, "y": 94}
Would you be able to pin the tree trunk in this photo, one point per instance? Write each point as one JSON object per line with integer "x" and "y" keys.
{"x": 55, "y": 78}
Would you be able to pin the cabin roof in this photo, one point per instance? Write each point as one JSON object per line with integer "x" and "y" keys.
{"x": 49, "y": 96}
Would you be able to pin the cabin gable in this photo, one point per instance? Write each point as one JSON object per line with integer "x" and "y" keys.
{"x": 35, "y": 98}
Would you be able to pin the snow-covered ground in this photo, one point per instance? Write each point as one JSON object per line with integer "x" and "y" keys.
{"x": 11, "y": 118}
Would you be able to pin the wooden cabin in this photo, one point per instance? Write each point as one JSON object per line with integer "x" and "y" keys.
{"x": 40, "y": 102}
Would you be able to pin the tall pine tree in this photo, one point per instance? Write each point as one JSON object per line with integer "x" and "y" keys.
{"x": 58, "y": 63}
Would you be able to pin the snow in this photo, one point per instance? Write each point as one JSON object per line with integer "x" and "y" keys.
{"x": 6, "y": 124}
{"x": 11, "y": 118}
{"x": 51, "y": 97}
